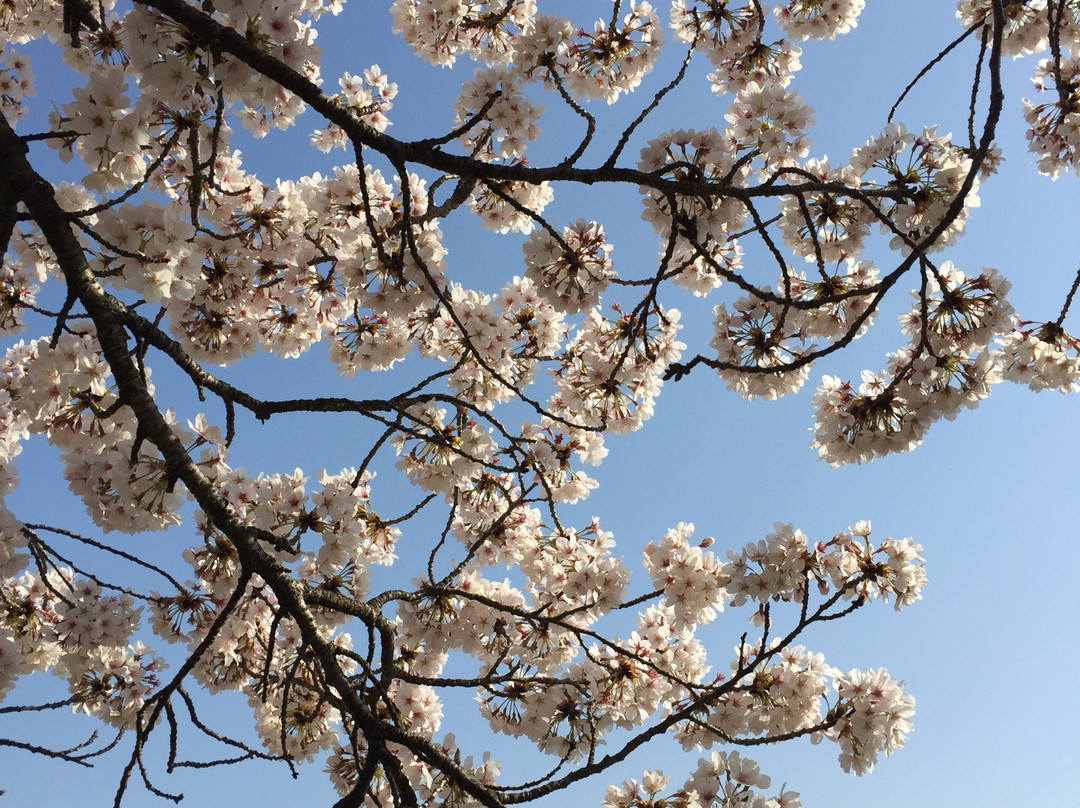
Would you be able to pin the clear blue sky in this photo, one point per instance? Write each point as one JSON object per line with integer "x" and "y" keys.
{"x": 990, "y": 650}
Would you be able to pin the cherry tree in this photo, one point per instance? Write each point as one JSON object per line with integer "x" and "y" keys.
{"x": 322, "y": 595}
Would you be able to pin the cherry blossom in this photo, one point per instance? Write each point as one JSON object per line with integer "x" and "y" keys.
{"x": 1042, "y": 356}
{"x": 612, "y": 59}
{"x": 439, "y": 30}
{"x": 124, "y": 296}
{"x": 812, "y": 19}
{"x": 1026, "y": 24}
{"x": 570, "y": 269}
{"x": 1054, "y": 126}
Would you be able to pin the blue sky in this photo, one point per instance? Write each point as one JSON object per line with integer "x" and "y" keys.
{"x": 988, "y": 653}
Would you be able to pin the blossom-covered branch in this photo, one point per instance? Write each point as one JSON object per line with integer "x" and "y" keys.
{"x": 170, "y": 259}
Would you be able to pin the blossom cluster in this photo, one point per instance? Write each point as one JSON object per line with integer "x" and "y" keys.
{"x": 769, "y": 335}
{"x": 1054, "y": 126}
{"x": 16, "y": 82}
{"x": 878, "y": 717}
{"x": 67, "y": 624}
{"x": 371, "y": 94}
{"x": 825, "y": 226}
{"x": 255, "y": 648}
{"x": 807, "y": 19}
{"x": 785, "y": 565}
{"x": 724, "y": 779}
{"x": 1026, "y": 23}
{"x": 18, "y": 292}
{"x": 609, "y": 373}
{"x": 440, "y": 31}
{"x": 1042, "y": 356}
{"x": 864, "y": 712}
{"x": 64, "y": 391}
{"x": 570, "y": 269}
{"x": 611, "y": 60}
{"x": 1053, "y": 133}
{"x": 698, "y": 228}
{"x": 925, "y": 175}
{"x": 494, "y": 344}
{"x": 731, "y": 37}
{"x": 510, "y": 120}
{"x": 947, "y": 365}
